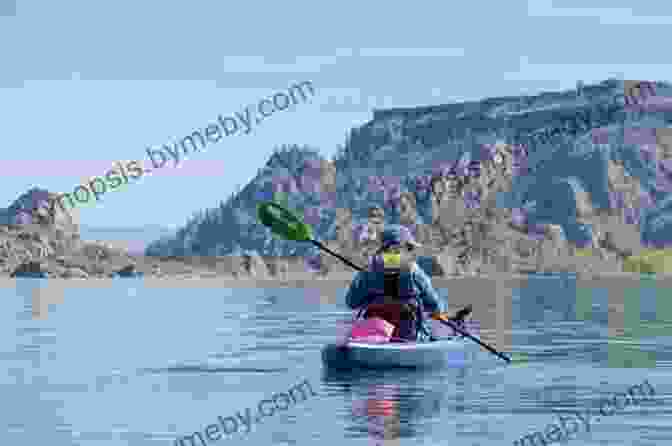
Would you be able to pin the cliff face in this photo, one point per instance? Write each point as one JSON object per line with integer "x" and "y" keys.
{"x": 526, "y": 183}
{"x": 558, "y": 181}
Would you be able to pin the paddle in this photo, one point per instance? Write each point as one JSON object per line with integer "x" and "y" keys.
{"x": 442, "y": 317}
{"x": 286, "y": 224}
{"x": 289, "y": 226}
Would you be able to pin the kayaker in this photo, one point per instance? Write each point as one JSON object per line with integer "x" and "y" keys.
{"x": 396, "y": 289}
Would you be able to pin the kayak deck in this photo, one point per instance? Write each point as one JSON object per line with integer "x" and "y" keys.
{"x": 448, "y": 351}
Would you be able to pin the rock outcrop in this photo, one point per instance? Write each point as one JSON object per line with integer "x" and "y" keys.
{"x": 30, "y": 269}
{"x": 252, "y": 266}
{"x": 129, "y": 271}
{"x": 36, "y": 239}
{"x": 478, "y": 203}
{"x": 514, "y": 184}
{"x": 41, "y": 207}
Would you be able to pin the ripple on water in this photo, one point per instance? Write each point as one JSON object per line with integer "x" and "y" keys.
{"x": 210, "y": 369}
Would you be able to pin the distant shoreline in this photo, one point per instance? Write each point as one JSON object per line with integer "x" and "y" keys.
{"x": 227, "y": 281}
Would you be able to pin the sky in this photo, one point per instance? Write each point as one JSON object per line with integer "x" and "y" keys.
{"x": 86, "y": 84}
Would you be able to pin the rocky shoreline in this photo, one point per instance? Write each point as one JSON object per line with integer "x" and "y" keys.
{"x": 463, "y": 239}
{"x": 56, "y": 254}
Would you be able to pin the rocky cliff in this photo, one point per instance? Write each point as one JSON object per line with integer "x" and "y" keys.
{"x": 39, "y": 241}
{"x": 569, "y": 180}
{"x": 553, "y": 181}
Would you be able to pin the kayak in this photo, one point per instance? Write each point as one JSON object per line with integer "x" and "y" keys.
{"x": 356, "y": 352}
{"x": 443, "y": 352}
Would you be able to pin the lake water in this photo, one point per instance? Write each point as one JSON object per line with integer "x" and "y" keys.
{"x": 125, "y": 364}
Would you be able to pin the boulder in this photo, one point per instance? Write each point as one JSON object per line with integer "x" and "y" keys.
{"x": 41, "y": 207}
{"x": 63, "y": 218}
{"x": 97, "y": 251}
{"x": 251, "y": 265}
{"x": 129, "y": 271}
{"x": 156, "y": 269}
{"x": 260, "y": 267}
{"x": 30, "y": 269}
{"x": 74, "y": 273}
{"x": 35, "y": 229}
{"x": 280, "y": 268}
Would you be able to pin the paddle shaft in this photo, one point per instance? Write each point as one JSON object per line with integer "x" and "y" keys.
{"x": 475, "y": 339}
{"x": 359, "y": 268}
{"x": 338, "y": 256}
{"x": 448, "y": 323}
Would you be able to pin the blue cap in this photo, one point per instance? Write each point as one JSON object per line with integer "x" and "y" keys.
{"x": 397, "y": 235}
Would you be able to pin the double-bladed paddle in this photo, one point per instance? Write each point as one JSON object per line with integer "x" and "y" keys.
{"x": 286, "y": 224}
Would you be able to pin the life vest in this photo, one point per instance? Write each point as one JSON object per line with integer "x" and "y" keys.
{"x": 393, "y": 297}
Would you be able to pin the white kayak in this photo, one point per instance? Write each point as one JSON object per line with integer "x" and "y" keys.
{"x": 444, "y": 352}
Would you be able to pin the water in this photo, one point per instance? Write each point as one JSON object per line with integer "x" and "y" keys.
{"x": 127, "y": 364}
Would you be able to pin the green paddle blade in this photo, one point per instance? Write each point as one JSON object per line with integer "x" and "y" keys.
{"x": 283, "y": 222}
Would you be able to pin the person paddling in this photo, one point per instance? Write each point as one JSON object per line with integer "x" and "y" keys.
{"x": 397, "y": 290}
{"x": 289, "y": 226}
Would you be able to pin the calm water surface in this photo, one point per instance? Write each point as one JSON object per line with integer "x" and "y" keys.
{"x": 129, "y": 365}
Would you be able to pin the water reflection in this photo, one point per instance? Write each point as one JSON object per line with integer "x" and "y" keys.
{"x": 43, "y": 298}
{"x": 387, "y": 405}
{"x": 39, "y": 295}
{"x": 380, "y": 410}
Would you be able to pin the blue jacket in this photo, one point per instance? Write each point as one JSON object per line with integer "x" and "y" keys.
{"x": 364, "y": 281}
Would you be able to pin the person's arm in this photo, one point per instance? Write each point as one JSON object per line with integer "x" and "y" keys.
{"x": 430, "y": 298}
{"x": 356, "y": 294}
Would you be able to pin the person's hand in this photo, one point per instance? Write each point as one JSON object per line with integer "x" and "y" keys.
{"x": 437, "y": 316}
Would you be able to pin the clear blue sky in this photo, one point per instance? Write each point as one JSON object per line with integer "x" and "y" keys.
{"x": 86, "y": 84}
